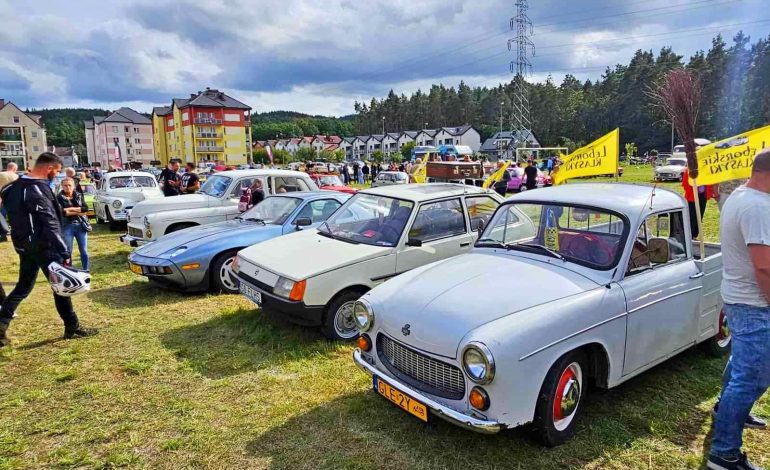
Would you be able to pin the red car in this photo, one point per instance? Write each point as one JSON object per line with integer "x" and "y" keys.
{"x": 331, "y": 183}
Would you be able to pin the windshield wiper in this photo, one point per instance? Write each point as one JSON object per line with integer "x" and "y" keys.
{"x": 255, "y": 219}
{"x": 543, "y": 248}
{"x": 491, "y": 242}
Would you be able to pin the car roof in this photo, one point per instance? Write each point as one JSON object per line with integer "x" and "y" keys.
{"x": 260, "y": 172}
{"x": 631, "y": 200}
{"x": 425, "y": 191}
{"x": 114, "y": 174}
{"x": 313, "y": 195}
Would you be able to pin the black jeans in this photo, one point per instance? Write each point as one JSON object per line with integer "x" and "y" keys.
{"x": 694, "y": 216}
{"x": 31, "y": 262}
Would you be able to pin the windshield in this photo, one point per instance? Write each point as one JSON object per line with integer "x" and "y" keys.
{"x": 590, "y": 237}
{"x": 132, "y": 182}
{"x": 329, "y": 181}
{"x": 391, "y": 176}
{"x": 676, "y": 162}
{"x": 215, "y": 185}
{"x": 273, "y": 210}
{"x": 369, "y": 219}
{"x": 679, "y": 149}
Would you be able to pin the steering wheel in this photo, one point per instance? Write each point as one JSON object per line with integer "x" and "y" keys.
{"x": 387, "y": 228}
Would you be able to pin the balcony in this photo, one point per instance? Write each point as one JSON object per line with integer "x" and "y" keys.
{"x": 208, "y": 135}
{"x": 11, "y": 153}
{"x": 209, "y": 149}
{"x": 207, "y": 121}
{"x": 10, "y": 137}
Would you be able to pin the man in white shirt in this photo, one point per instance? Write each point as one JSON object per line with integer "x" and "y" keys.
{"x": 745, "y": 237}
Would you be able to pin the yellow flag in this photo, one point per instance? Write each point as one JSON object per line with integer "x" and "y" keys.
{"x": 731, "y": 158}
{"x": 420, "y": 174}
{"x": 496, "y": 176}
{"x": 600, "y": 157}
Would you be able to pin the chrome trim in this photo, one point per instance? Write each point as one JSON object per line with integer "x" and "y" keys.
{"x": 133, "y": 241}
{"x": 370, "y": 321}
{"x": 697, "y": 275}
{"x": 443, "y": 412}
{"x": 572, "y": 335}
{"x": 636, "y": 309}
{"x": 487, "y": 357}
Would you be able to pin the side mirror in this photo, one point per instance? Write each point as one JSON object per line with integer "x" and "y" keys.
{"x": 480, "y": 225}
{"x": 303, "y": 222}
{"x": 414, "y": 242}
{"x": 658, "y": 250}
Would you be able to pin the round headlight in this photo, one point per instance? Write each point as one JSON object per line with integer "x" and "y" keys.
{"x": 478, "y": 363}
{"x": 364, "y": 316}
{"x": 146, "y": 222}
{"x": 117, "y": 204}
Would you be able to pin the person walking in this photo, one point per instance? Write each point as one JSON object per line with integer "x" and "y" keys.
{"x": 549, "y": 165}
{"x": 170, "y": 179}
{"x": 356, "y": 173}
{"x": 6, "y": 177}
{"x": 365, "y": 172}
{"x": 375, "y": 169}
{"x": 704, "y": 194}
{"x": 745, "y": 237}
{"x": 530, "y": 175}
{"x": 501, "y": 185}
{"x": 75, "y": 223}
{"x": 70, "y": 173}
{"x": 35, "y": 218}
{"x": 191, "y": 182}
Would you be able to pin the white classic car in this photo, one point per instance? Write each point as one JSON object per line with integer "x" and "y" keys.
{"x": 119, "y": 191}
{"x": 313, "y": 277}
{"x": 672, "y": 169}
{"x": 216, "y": 201}
{"x": 601, "y": 284}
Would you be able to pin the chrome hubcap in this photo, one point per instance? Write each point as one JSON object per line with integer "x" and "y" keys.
{"x": 344, "y": 323}
{"x": 567, "y": 397}
{"x": 226, "y": 275}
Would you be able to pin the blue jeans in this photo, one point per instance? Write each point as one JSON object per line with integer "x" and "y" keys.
{"x": 78, "y": 232}
{"x": 748, "y": 377}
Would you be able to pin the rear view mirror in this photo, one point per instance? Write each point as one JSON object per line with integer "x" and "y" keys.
{"x": 303, "y": 222}
{"x": 414, "y": 242}
{"x": 658, "y": 250}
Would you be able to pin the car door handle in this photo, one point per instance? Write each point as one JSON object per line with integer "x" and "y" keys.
{"x": 463, "y": 245}
{"x": 697, "y": 275}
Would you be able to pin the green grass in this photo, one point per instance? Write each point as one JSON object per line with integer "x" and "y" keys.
{"x": 193, "y": 381}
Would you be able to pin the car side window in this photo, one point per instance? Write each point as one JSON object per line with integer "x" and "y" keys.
{"x": 665, "y": 227}
{"x": 480, "y": 209}
{"x": 240, "y": 187}
{"x": 287, "y": 184}
{"x": 438, "y": 220}
{"x": 319, "y": 210}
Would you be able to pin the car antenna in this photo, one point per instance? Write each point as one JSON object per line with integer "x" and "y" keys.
{"x": 652, "y": 194}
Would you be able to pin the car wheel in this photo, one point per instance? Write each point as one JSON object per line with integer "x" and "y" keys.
{"x": 719, "y": 344}
{"x": 522, "y": 188}
{"x": 559, "y": 402}
{"x": 681, "y": 177}
{"x": 339, "y": 322}
{"x": 222, "y": 277}
{"x": 178, "y": 227}
{"x": 114, "y": 226}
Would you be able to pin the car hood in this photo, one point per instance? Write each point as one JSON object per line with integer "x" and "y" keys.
{"x": 136, "y": 194}
{"x": 207, "y": 235}
{"x": 183, "y": 202}
{"x": 342, "y": 189}
{"x": 444, "y": 301}
{"x": 306, "y": 254}
{"x": 669, "y": 168}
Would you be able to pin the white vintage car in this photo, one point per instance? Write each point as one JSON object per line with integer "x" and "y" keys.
{"x": 313, "y": 277}
{"x": 216, "y": 201}
{"x": 119, "y": 191}
{"x": 601, "y": 284}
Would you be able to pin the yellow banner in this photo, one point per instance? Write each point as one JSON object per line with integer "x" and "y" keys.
{"x": 496, "y": 176}
{"x": 600, "y": 157}
{"x": 731, "y": 158}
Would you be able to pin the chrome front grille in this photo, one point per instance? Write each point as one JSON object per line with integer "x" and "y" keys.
{"x": 135, "y": 232}
{"x": 421, "y": 371}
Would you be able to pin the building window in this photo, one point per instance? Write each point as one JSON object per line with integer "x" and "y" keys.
{"x": 232, "y": 117}
{"x": 185, "y": 115}
{"x": 16, "y": 120}
{"x": 35, "y": 148}
{"x": 137, "y": 141}
{"x": 34, "y": 134}
{"x": 114, "y": 128}
{"x": 136, "y": 130}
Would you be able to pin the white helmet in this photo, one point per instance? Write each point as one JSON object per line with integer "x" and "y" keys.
{"x": 67, "y": 281}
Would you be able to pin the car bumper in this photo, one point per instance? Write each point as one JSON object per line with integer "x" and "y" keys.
{"x": 448, "y": 414}
{"x": 176, "y": 279}
{"x": 134, "y": 242}
{"x": 297, "y": 312}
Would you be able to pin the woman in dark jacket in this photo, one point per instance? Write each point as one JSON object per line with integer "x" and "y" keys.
{"x": 75, "y": 224}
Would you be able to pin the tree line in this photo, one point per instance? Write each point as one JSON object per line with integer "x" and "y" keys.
{"x": 735, "y": 98}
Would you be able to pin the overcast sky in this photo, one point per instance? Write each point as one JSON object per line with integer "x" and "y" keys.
{"x": 318, "y": 57}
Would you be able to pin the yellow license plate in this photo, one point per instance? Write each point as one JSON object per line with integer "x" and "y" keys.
{"x": 135, "y": 268}
{"x": 402, "y": 400}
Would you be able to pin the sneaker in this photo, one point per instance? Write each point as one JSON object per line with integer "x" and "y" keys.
{"x": 741, "y": 463}
{"x": 79, "y": 332}
{"x": 752, "y": 421}
{"x": 4, "y": 339}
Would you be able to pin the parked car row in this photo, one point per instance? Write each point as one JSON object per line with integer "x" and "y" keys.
{"x": 484, "y": 312}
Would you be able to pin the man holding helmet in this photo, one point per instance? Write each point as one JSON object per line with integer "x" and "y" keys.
{"x": 35, "y": 219}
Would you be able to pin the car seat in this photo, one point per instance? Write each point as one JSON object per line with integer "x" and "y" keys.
{"x": 328, "y": 209}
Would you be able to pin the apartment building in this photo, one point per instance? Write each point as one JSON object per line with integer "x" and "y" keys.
{"x": 362, "y": 146}
{"x": 22, "y": 136}
{"x": 123, "y": 139}
{"x": 206, "y": 127}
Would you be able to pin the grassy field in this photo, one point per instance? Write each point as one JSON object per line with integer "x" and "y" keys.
{"x": 191, "y": 381}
